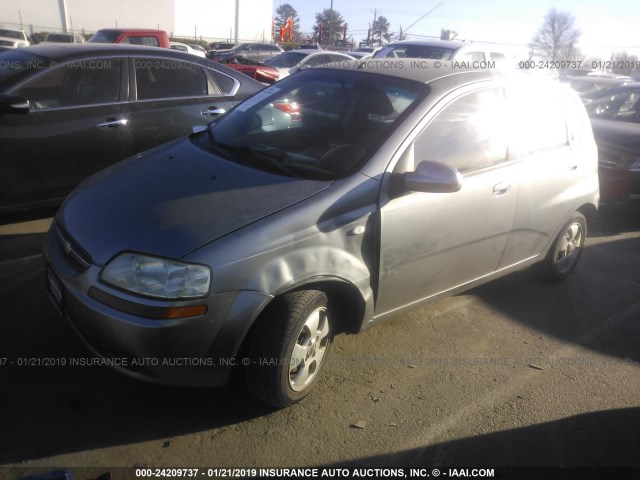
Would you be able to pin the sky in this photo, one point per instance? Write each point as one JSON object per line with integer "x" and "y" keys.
{"x": 606, "y": 25}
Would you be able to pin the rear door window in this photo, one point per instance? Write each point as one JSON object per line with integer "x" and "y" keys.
{"x": 158, "y": 78}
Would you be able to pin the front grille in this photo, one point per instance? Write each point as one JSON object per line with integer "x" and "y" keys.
{"x": 79, "y": 257}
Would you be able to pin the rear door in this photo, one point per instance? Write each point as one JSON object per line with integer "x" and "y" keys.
{"x": 552, "y": 168}
{"x": 76, "y": 127}
{"x": 170, "y": 96}
{"x": 434, "y": 242}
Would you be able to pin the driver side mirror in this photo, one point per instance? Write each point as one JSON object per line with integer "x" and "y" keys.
{"x": 16, "y": 104}
{"x": 433, "y": 177}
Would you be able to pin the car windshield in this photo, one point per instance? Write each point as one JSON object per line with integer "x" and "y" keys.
{"x": 59, "y": 37}
{"x": 286, "y": 60}
{"x": 11, "y": 34}
{"x": 415, "y": 51}
{"x": 323, "y": 124}
{"x": 17, "y": 63}
{"x": 105, "y": 37}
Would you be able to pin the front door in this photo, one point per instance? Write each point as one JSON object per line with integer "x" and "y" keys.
{"x": 434, "y": 242}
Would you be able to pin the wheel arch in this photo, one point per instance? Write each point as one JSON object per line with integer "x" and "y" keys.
{"x": 589, "y": 211}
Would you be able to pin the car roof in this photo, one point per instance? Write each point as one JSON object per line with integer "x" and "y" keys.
{"x": 11, "y": 29}
{"x": 434, "y": 43}
{"x": 131, "y": 30}
{"x": 417, "y": 69}
{"x": 62, "y": 51}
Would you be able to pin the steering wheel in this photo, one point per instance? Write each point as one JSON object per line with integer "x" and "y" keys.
{"x": 341, "y": 157}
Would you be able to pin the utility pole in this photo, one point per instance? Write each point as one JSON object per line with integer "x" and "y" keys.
{"x": 331, "y": 23}
{"x": 237, "y": 20}
{"x": 63, "y": 15}
{"x": 373, "y": 25}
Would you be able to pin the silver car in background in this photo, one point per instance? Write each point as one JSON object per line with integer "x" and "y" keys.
{"x": 246, "y": 249}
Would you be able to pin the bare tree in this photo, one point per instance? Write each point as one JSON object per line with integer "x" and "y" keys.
{"x": 624, "y": 63}
{"x": 557, "y": 38}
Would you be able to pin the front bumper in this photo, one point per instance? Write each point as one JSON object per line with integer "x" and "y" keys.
{"x": 196, "y": 351}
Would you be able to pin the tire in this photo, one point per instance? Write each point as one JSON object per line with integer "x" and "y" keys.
{"x": 289, "y": 347}
{"x": 566, "y": 250}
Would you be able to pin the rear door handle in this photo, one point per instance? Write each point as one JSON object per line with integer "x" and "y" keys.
{"x": 211, "y": 111}
{"x": 573, "y": 166}
{"x": 501, "y": 188}
{"x": 113, "y": 123}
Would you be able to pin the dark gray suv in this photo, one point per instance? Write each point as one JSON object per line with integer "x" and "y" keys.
{"x": 251, "y": 247}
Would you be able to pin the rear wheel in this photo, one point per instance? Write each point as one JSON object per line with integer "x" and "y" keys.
{"x": 566, "y": 250}
{"x": 288, "y": 347}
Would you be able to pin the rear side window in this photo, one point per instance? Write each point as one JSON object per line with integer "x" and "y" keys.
{"x": 158, "y": 78}
{"x": 471, "y": 57}
{"x": 537, "y": 109}
{"x": 146, "y": 41}
{"x": 468, "y": 134}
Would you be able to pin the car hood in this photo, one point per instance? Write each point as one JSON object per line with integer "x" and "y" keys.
{"x": 172, "y": 200}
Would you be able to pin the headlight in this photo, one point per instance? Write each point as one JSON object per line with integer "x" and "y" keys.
{"x": 157, "y": 277}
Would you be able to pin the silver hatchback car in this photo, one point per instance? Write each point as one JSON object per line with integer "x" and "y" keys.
{"x": 246, "y": 247}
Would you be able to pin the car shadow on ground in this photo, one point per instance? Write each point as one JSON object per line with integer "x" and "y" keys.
{"x": 596, "y": 307}
{"x": 599, "y": 439}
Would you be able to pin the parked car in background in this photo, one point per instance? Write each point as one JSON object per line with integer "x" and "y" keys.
{"x": 12, "y": 38}
{"x": 253, "y": 52}
{"x": 615, "y": 119}
{"x": 366, "y": 49}
{"x": 394, "y": 188}
{"x": 132, "y": 36}
{"x": 293, "y": 61}
{"x": 288, "y": 63}
{"x": 309, "y": 46}
{"x": 441, "y": 50}
{"x": 590, "y": 87}
{"x": 199, "y": 48}
{"x": 64, "y": 38}
{"x": 221, "y": 46}
{"x": 182, "y": 47}
{"x": 67, "y": 111}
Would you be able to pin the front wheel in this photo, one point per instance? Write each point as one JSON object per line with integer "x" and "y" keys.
{"x": 566, "y": 249}
{"x": 289, "y": 347}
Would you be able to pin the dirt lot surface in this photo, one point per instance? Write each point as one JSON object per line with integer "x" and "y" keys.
{"x": 514, "y": 373}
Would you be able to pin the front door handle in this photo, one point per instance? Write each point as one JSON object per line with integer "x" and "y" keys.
{"x": 501, "y": 188}
{"x": 113, "y": 123}
{"x": 573, "y": 166}
{"x": 211, "y": 111}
